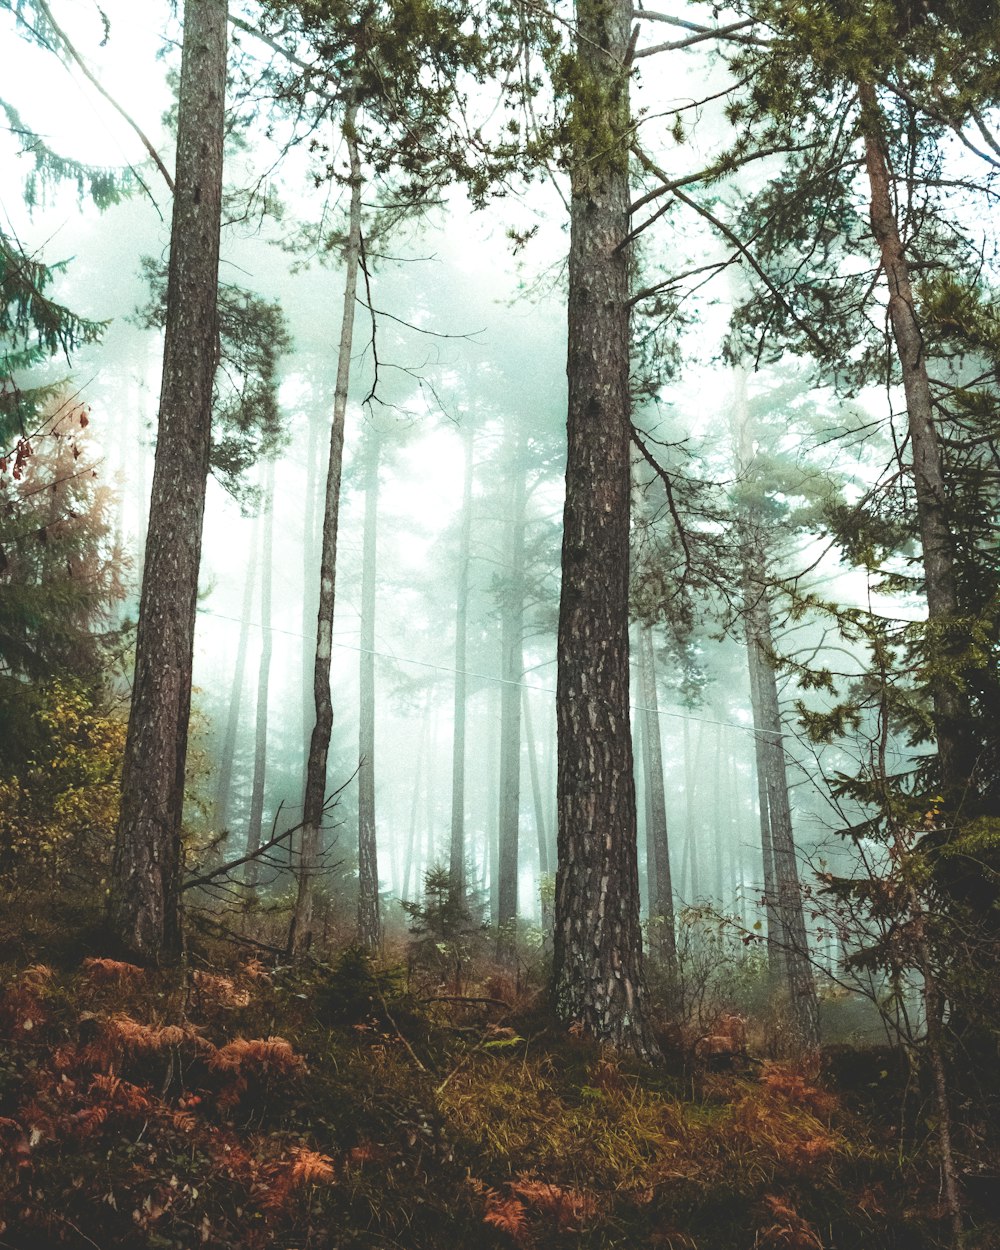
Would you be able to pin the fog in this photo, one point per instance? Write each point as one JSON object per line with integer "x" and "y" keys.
{"x": 467, "y": 349}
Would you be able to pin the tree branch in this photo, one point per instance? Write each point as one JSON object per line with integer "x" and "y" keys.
{"x": 84, "y": 69}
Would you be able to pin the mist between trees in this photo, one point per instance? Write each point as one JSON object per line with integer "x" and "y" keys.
{"x": 519, "y": 481}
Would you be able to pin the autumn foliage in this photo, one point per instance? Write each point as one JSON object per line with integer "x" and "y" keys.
{"x": 140, "y": 1109}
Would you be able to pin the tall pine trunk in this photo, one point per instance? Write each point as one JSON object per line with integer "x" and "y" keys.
{"x": 598, "y": 973}
{"x": 456, "y": 866}
{"x": 263, "y": 676}
{"x": 145, "y": 886}
{"x": 925, "y": 449}
{"x": 511, "y": 673}
{"x": 799, "y": 981}
{"x": 369, "y": 926}
{"x": 224, "y": 781}
{"x": 301, "y": 932}
{"x": 661, "y": 894}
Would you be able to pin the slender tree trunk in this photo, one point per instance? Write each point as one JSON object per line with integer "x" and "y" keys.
{"x": 410, "y": 878}
{"x": 511, "y": 673}
{"x": 369, "y": 926}
{"x": 690, "y": 868}
{"x": 767, "y": 723}
{"x": 598, "y": 973}
{"x": 301, "y": 931}
{"x": 661, "y": 893}
{"x": 263, "y": 676}
{"x": 310, "y": 583}
{"x": 928, "y": 470}
{"x": 456, "y": 866}
{"x": 536, "y": 787}
{"x": 224, "y": 784}
{"x": 145, "y": 887}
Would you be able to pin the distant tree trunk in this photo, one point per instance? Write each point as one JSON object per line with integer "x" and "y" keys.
{"x": 598, "y": 974}
{"x": 767, "y": 724}
{"x": 224, "y": 783}
{"x": 661, "y": 893}
{"x": 690, "y": 867}
{"x": 511, "y": 673}
{"x": 536, "y": 787}
{"x": 310, "y": 583}
{"x": 410, "y": 877}
{"x": 369, "y": 926}
{"x": 777, "y": 941}
{"x": 928, "y": 471}
{"x": 145, "y": 884}
{"x": 263, "y": 676}
{"x": 539, "y": 809}
{"x": 301, "y": 931}
{"x": 456, "y": 866}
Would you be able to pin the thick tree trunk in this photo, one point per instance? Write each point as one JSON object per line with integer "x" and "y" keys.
{"x": 301, "y": 932}
{"x": 661, "y": 893}
{"x": 144, "y": 903}
{"x": 598, "y": 974}
{"x": 928, "y": 471}
{"x": 457, "y": 848}
{"x": 263, "y": 676}
{"x": 511, "y": 673}
{"x": 369, "y": 926}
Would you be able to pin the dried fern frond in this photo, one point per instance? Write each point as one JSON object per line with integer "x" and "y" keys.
{"x": 103, "y": 971}
{"x": 311, "y": 1167}
{"x": 508, "y": 1216}
{"x": 270, "y": 1054}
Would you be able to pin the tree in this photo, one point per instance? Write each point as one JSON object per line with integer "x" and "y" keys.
{"x": 598, "y": 974}
{"x": 144, "y": 902}
{"x": 369, "y": 924}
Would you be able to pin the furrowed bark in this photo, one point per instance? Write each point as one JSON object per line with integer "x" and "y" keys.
{"x": 598, "y": 973}
{"x": 144, "y": 902}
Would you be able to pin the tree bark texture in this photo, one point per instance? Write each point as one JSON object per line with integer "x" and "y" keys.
{"x": 661, "y": 894}
{"x": 511, "y": 593}
{"x": 598, "y": 973}
{"x": 369, "y": 924}
{"x": 457, "y": 848}
{"x": 925, "y": 448}
{"x": 144, "y": 903}
{"x": 263, "y": 676}
{"x": 301, "y": 932}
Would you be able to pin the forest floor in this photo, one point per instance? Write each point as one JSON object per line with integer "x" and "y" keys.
{"x": 239, "y": 1105}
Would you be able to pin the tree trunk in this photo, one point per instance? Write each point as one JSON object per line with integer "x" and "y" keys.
{"x": 314, "y": 803}
{"x": 224, "y": 784}
{"x": 369, "y": 926}
{"x": 310, "y": 583}
{"x": 661, "y": 894}
{"x": 263, "y": 676}
{"x": 598, "y": 974}
{"x": 511, "y": 673}
{"x": 691, "y": 865}
{"x": 411, "y": 887}
{"x": 145, "y": 888}
{"x": 928, "y": 471}
{"x": 788, "y": 904}
{"x": 456, "y": 866}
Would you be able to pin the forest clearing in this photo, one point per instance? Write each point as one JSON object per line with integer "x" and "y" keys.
{"x": 499, "y": 624}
